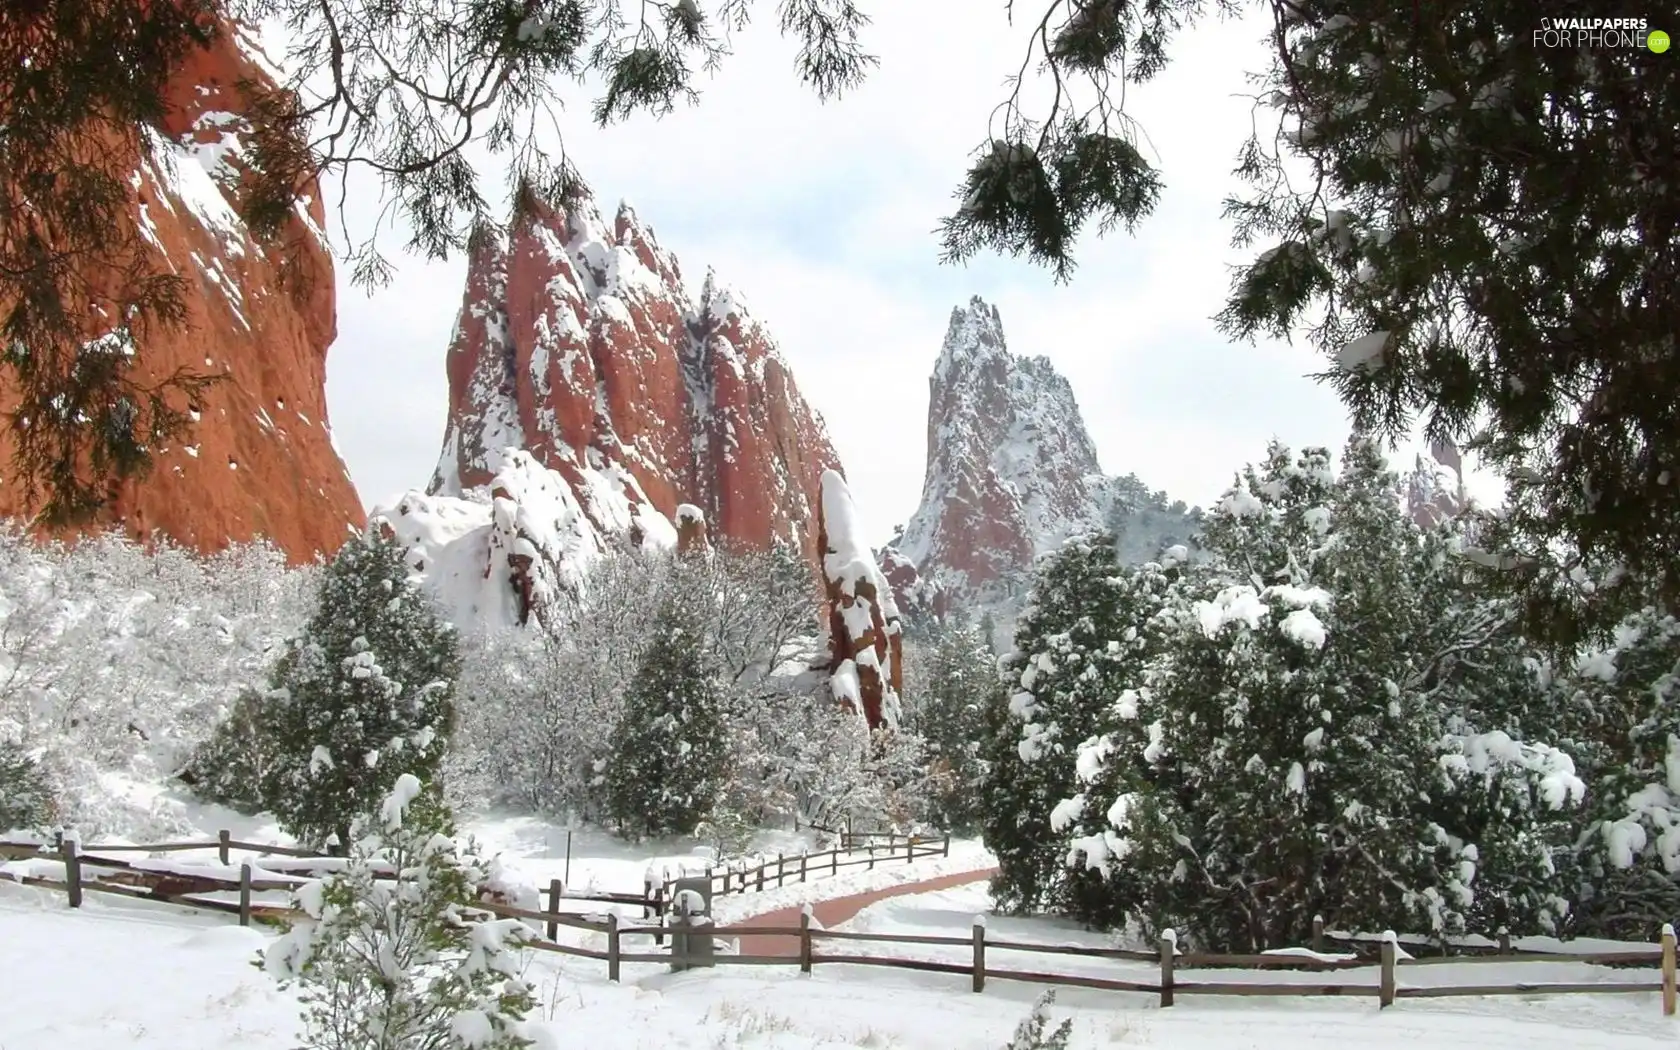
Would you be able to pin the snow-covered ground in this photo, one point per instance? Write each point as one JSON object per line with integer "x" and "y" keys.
{"x": 530, "y": 852}
{"x": 131, "y": 974}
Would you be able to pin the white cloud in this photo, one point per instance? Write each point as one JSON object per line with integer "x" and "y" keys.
{"x": 822, "y": 214}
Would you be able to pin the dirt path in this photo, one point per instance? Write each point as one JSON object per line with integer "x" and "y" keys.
{"x": 831, "y": 913}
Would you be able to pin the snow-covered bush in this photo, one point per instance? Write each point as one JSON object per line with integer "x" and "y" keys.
{"x": 231, "y": 766}
{"x": 539, "y": 706}
{"x": 1034, "y": 1032}
{"x": 1622, "y": 704}
{"x": 404, "y": 965}
{"x": 364, "y": 695}
{"x": 116, "y": 661}
{"x": 950, "y": 681}
{"x": 668, "y": 761}
{"x": 1331, "y": 726}
{"x": 522, "y": 737}
{"x": 26, "y": 799}
{"x": 1089, "y": 627}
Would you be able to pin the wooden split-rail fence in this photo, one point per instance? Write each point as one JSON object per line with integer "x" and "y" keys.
{"x": 1166, "y": 964}
{"x": 855, "y": 851}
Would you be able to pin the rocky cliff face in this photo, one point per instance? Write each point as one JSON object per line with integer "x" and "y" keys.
{"x": 579, "y": 343}
{"x": 261, "y": 460}
{"x": 1011, "y": 474}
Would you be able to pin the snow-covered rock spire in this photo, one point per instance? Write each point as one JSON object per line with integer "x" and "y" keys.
{"x": 866, "y": 652}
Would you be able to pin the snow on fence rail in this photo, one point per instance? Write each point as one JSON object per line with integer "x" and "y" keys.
{"x": 179, "y": 886}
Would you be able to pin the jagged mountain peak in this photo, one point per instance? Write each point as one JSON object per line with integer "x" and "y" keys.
{"x": 1011, "y": 470}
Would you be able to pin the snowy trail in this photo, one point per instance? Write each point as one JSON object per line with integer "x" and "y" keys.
{"x": 836, "y": 910}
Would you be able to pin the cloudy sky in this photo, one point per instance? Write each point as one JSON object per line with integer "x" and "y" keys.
{"x": 822, "y": 216}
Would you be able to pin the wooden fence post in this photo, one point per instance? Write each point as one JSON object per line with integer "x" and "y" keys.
{"x": 871, "y": 854}
{"x": 555, "y": 888}
{"x": 834, "y": 862}
{"x": 804, "y": 858}
{"x": 245, "y": 894}
{"x": 72, "y": 870}
{"x": 1504, "y": 941}
{"x": 781, "y": 868}
{"x": 1169, "y": 950}
{"x": 223, "y": 837}
{"x": 762, "y": 864}
{"x": 1390, "y": 951}
{"x": 1668, "y": 969}
{"x": 612, "y": 945}
{"x": 1318, "y": 933}
{"x": 945, "y": 851}
{"x": 805, "y": 939}
{"x": 979, "y": 953}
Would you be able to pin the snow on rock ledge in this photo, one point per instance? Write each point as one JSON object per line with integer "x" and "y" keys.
{"x": 499, "y": 553}
{"x": 866, "y": 653}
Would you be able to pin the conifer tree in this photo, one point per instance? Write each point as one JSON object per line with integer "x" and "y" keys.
{"x": 960, "y": 682}
{"x": 26, "y": 799}
{"x": 363, "y": 696}
{"x": 1621, "y": 706}
{"x": 668, "y": 763}
{"x": 1313, "y": 745}
{"x": 1081, "y": 635}
{"x": 397, "y": 965}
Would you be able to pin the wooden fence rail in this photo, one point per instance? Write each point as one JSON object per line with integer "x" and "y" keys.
{"x": 84, "y": 872}
{"x": 783, "y": 868}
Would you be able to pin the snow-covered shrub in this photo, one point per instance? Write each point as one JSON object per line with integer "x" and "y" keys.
{"x": 1331, "y": 726}
{"x": 1622, "y": 704}
{"x": 1084, "y": 636}
{"x": 364, "y": 695}
{"x": 26, "y": 799}
{"x": 1034, "y": 1032}
{"x": 116, "y": 661}
{"x": 522, "y": 737}
{"x": 950, "y": 681}
{"x": 667, "y": 764}
{"x": 231, "y": 766}
{"x": 404, "y": 965}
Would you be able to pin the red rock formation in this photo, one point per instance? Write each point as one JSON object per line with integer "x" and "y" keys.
{"x": 261, "y": 460}
{"x": 1011, "y": 474}
{"x": 866, "y": 645}
{"x": 691, "y": 530}
{"x": 578, "y": 342}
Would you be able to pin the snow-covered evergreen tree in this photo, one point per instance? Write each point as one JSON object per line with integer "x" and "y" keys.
{"x": 1081, "y": 638}
{"x": 668, "y": 761}
{"x": 362, "y": 697}
{"x": 26, "y": 800}
{"x": 1622, "y": 707}
{"x": 950, "y": 679}
{"x": 1313, "y": 742}
{"x": 403, "y": 965}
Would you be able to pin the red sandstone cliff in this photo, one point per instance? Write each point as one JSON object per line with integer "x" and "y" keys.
{"x": 261, "y": 460}
{"x": 578, "y": 342}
